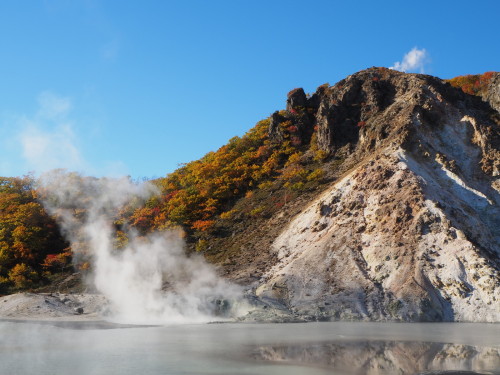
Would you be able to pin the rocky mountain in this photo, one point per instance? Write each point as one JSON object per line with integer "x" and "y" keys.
{"x": 377, "y": 198}
{"x": 408, "y": 226}
{"x": 492, "y": 92}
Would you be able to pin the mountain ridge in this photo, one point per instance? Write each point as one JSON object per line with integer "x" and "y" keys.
{"x": 433, "y": 153}
{"x": 376, "y": 198}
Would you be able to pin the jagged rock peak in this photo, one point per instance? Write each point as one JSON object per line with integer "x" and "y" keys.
{"x": 296, "y": 99}
{"x": 378, "y": 106}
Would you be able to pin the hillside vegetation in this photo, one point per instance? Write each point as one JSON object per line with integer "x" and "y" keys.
{"x": 279, "y": 162}
{"x": 31, "y": 245}
{"x": 473, "y": 84}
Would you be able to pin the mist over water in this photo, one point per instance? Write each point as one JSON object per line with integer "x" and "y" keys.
{"x": 151, "y": 280}
{"x": 243, "y": 349}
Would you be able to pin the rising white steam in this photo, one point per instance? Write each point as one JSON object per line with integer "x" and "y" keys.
{"x": 151, "y": 280}
{"x": 412, "y": 61}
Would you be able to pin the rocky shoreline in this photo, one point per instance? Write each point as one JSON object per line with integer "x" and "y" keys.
{"x": 92, "y": 310}
{"x": 53, "y": 306}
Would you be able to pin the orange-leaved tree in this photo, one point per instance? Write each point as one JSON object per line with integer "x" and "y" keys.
{"x": 28, "y": 235}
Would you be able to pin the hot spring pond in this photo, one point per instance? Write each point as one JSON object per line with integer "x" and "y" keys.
{"x": 312, "y": 348}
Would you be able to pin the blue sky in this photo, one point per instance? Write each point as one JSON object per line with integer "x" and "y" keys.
{"x": 135, "y": 88}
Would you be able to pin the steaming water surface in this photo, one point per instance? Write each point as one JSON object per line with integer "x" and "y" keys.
{"x": 313, "y": 348}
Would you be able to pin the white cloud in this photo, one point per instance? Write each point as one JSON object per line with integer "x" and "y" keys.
{"x": 45, "y": 149}
{"x": 52, "y": 137}
{"x": 47, "y": 139}
{"x": 412, "y": 61}
{"x": 52, "y": 106}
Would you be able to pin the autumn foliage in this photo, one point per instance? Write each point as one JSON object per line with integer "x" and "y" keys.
{"x": 472, "y": 84}
{"x": 200, "y": 191}
{"x": 30, "y": 241}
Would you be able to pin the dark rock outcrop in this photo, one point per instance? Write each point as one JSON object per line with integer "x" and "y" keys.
{"x": 275, "y": 131}
{"x": 492, "y": 93}
{"x": 296, "y": 99}
{"x": 379, "y": 105}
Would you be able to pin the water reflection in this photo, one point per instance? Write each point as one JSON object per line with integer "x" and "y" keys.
{"x": 61, "y": 348}
{"x": 386, "y": 357}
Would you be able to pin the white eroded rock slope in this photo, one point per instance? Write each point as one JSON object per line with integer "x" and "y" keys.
{"x": 410, "y": 233}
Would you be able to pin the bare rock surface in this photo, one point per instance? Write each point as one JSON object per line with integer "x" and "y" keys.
{"x": 492, "y": 94}
{"x": 52, "y": 306}
{"x": 411, "y": 231}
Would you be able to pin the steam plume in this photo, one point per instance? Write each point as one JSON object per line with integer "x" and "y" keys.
{"x": 134, "y": 277}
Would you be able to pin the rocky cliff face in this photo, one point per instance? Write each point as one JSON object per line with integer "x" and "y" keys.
{"x": 492, "y": 92}
{"x": 411, "y": 230}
